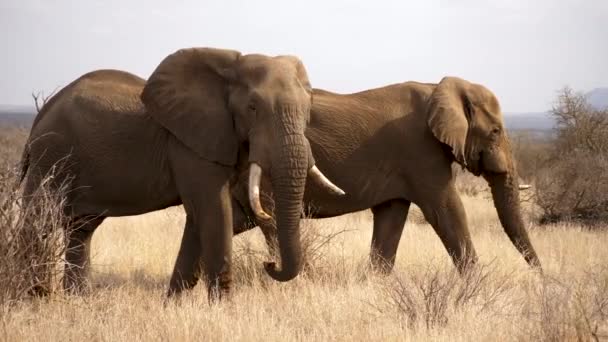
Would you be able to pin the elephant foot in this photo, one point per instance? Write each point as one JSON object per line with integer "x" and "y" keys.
{"x": 217, "y": 290}
{"x": 174, "y": 297}
{"x": 220, "y": 288}
{"x": 381, "y": 266}
{"x": 39, "y": 291}
{"x": 466, "y": 264}
{"x": 76, "y": 287}
{"x": 75, "y": 280}
{"x": 178, "y": 285}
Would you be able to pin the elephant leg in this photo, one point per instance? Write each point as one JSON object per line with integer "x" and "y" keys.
{"x": 446, "y": 214}
{"x": 216, "y": 240}
{"x": 389, "y": 220}
{"x": 78, "y": 253}
{"x": 204, "y": 189}
{"x": 188, "y": 267}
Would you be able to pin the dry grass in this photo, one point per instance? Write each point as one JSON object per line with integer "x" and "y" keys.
{"x": 32, "y": 243}
{"x": 31, "y": 240}
{"x": 338, "y": 299}
{"x": 12, "y": 140}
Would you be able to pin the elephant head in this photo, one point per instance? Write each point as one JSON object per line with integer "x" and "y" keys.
{"x": 214, "y": 101}
{"x": 467, "y": 118}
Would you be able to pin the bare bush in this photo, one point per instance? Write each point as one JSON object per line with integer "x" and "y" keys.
{"x": 468, "y": 184}
{"x": 315, "y": 242}
{"x": 574, "y": 187}
{"x": 315, "y": 247}
{"x": 12, "y": 140}
{"x": 530, "y": 152}
{"x": 579, "y": 125}
{"x": 573, "y": 310}
{"x": 431, "y": 297}
{"x": 318, "y": 263}
{"x": 40, "y": 99}
{"x": 31, "y": 240}
{"x": 246, "y": 263}
{"x": 573, "y": 184}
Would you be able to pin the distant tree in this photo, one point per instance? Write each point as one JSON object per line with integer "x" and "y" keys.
{"x": 40, "y": 99}
{"x": 579, "y": 125}
{"x": 573, "y": 184}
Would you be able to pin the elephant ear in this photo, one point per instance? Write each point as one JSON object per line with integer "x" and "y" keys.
{"x": 448, "y": 115}
{"x": 187, "y": 94}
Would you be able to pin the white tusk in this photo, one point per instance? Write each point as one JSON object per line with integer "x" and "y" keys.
{"x": 255, "y": 175}
{"x": 524, "y": 186}
{"x": 320, "y": 178}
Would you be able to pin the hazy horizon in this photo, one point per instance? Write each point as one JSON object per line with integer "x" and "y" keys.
{"x": 522, "y": 51}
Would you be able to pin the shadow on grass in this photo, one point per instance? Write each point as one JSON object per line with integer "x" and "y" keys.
{"x": 138, "y": 278}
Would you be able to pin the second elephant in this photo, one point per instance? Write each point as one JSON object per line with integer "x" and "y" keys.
{"x": 393, "y": 146}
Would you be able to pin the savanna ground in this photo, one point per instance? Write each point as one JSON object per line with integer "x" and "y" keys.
{"x": 337, "y": 297}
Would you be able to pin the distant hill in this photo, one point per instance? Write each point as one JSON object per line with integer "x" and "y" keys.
{"x": 542, "y": 121}
{"x": 539, "y": 121}
{"x": 514, "y": 121}
{"x": 21, "y": 116}
{"x": 18, "y": 120}
{"x": 598, "y": 98}
{"x": 17, "y": 109}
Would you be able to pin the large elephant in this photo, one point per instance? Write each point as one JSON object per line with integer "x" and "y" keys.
{"x": 129, "y": 147}
{"x": 392, "y": 146}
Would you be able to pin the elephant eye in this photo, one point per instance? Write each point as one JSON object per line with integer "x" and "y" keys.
{"x": 251, "y": 108}
{"x": 496, "y": 131}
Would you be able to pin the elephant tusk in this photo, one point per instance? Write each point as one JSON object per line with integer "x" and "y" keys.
{"x": 524, "y": 186}
{"x": 255, "y": 175}
{"x": 320, "y": 178}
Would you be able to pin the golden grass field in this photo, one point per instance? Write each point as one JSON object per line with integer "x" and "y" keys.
{"x": 337, "y": 298}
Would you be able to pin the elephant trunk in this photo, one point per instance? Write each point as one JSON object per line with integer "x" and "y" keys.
{"x": 505, "y": 192}
{"x": 289, "y": 171}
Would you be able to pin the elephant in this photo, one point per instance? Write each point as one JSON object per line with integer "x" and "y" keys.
{"x": 128, "y": 146}
{"x": 393, "y": 146}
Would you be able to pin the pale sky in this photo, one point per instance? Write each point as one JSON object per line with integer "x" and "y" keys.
{"x": 523, "y": 50}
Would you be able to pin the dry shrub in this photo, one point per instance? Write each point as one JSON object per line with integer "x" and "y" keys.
{"x": 579, "y": 125}
{"x": 415, "y": 215}
{"x": 573, "y": 310}
{"x": 315, "y": 246}
{"x": 427, "y": 297}
{"x": 316, "y": 262}
{"x": 468, "y": 184}
{"x": 575, "y": 187}
{"x": 318, "y": 265}
{"x": 12, "y": 140}
{"x": 530, "y": 151}
{"x": 573, "y": 184}
{"x": 247, "y": 263}
{"x": 542, "y": 308}
{"x": 31, "y": 240}
{"x": 315, "y": 242}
